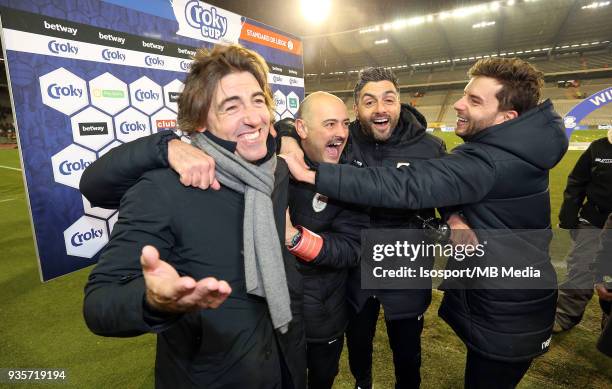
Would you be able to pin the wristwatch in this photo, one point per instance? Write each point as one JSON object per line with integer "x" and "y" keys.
{"x": 296, "y": 238}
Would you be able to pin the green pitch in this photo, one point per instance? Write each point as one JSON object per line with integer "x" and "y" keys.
{"x": 41, "y": 325}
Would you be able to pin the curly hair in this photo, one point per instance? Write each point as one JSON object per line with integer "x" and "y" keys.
{"x": 521, "y": 82}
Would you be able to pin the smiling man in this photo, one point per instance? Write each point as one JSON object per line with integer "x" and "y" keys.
{"x": 325, "y": 238}
{"x": 254, "y": 335}
{"x": 500, "y": 175}
{"x": 386, "y": 133}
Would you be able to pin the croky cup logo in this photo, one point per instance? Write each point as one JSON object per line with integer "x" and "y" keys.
{"x": 207, "y": 20}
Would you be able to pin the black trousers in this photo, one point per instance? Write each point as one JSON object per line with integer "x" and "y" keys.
{"x": 323, "y": 363}
{"x": 481, "y": 372}
{"x": 404, "y": 339}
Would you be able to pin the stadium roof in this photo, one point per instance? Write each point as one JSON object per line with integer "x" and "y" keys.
{"x": 419, "y": 33}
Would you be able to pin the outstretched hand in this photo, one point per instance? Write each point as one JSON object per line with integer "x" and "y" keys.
{"x": 167, "y": 291}
{"x": 195, "y": 167}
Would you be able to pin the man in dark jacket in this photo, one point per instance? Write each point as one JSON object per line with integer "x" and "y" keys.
{"x": 587, "y": 201}
{"x": 386, "y": 133}
{"x": 325, "y": 238}
{"x": 254, "y": 337}
{"x": 500, "y": 174}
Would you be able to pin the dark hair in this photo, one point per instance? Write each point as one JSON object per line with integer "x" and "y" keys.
{"x": 373, "y": 75}
{"x": 521, "y": 82}
{"x": 207, "y": 70}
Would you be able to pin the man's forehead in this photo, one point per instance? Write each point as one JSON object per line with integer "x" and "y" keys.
{"x": 485, "y": 87}
{"x": 326, "y": 108}
{"x": 378, "y": 88}
{"x": 232, "y": 83}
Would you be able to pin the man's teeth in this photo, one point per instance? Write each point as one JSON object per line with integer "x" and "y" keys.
{"x": 460, "y": 119}
{"x": 380, "y": 121}
{"x": 251, "y": 136}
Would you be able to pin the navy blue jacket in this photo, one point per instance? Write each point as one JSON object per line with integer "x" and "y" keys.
{"x": 500, "y": 175}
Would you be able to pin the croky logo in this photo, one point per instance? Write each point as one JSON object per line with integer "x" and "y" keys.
{"x": 62, "y": 48}
{"x": 128, "y": 127}
{"x": 113, "y": 55}
{"x": 207, "y": 20}
{"x": 142, "y": 95}
{"x": 56, "y": 91}
{"x": 153, "y": 61}
{"x": 79, "y": 238}
{"x": 68, "y": 167}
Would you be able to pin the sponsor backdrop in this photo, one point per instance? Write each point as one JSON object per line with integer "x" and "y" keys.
{"x": 90, "y": 75}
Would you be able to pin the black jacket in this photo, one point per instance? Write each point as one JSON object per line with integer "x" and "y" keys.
{"x": 591, "y": 178}
{"x": 325, "y": 307}
{"x": 233, "y": 345}
{"x": 602, "y": 266}
{"x": 408, "y": 143}
{"x": 501, "y": 176}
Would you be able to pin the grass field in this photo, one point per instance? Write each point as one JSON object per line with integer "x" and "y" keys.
{"x": 41, "y": 324}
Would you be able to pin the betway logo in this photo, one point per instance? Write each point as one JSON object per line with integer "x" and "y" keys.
{"x": 173, "y": 97}
{"x": 186, "y": 51}
{"x": 97, "y": 128}
{"x": 153, "y": 61}
{"x": 59, "y": 27}
{"x": 127, "y": 127}
{"x": 56, "y": 91}
{"x": 207, "y": 20}
{"x": 68, "y": 167}
{"x": 109, "y": 55}
{"x": 79, "y": 238}
{"x": 58, "y": 47}
{"x": 146, "y": 95}
{"x": 110, "y": 37}
{"x": 150, "y": 45}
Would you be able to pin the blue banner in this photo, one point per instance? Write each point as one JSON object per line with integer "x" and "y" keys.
{"x": 584, "y": 108}
{"x": 89, "y": 75}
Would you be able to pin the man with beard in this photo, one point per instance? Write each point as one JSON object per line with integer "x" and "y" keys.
{"x": 500, "y": 174}
{"x": 587, "y": 201}
{"x": 386, "y": 133}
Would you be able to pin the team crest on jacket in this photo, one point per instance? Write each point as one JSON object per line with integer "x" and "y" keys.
{"x": 319, "y": 202}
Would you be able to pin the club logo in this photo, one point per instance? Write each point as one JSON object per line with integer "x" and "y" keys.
{"x": 319, "y": 202}
{"x": 165, "y": 124}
